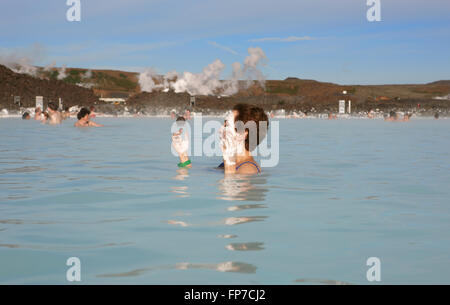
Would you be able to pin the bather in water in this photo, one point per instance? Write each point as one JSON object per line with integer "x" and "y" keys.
{"x": 84, "y": 119}
{"x": 241, "y": 126}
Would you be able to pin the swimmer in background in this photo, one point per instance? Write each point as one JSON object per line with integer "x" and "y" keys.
{"x": 38, "y": 114}
{"x": 332, "y": 116}
{"x": 54, "y": 115}
{"x": 92, "y": 115}
{"x": 26, "y": 116}
{"x": 370, "y": 114}
{"x": 392, "y": 117}
{"x": 187, "y": 114}
{"x": 406, "y": 117}
{"x": 45, "y": 117}
{"x": 83, "y": 119}
{"x": 66, "y": 113}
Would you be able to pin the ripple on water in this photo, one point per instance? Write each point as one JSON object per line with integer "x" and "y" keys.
{"x": 235, "y": 267}
{"x": 24, "y": 169}
{"x": 115, "y": 197}
{"x": 64, "y": 248}
{"x": 251, "y": 246}
{"x": 319, "y": 281}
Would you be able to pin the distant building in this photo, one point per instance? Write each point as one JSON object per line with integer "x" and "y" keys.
{"x": 343, "y": 102}
{"x": 40, "y": 102}
{"x": 114, "y": 97}
{"x": 341, "y": 106}
{"x": 17, "y": 100}
{"x": 112, "y": 100}
{"x": 446, "y": 97}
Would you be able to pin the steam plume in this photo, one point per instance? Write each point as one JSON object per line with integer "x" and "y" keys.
{"x": 208, "y": 82}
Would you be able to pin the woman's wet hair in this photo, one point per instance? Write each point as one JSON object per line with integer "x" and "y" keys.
{"x": 53, "y": 106}
{"x": 392, "y": 114}
{"x": 83, "y": 112}
{"x": 180, "y": 121}
{"x": 252, "y": 113}
{"x": 25, "y": 116}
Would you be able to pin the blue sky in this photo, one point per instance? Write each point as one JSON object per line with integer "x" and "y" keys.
{"x": 329, "y": 40}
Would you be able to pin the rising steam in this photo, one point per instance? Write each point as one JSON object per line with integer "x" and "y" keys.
{"x": 22, "y": 61}
{"x": 62, "y": 72}
{"x": 208, "y": 81}
{"x": 18, "y": 64}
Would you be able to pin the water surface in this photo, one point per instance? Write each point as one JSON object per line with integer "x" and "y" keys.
{"x": 343, "y": 191}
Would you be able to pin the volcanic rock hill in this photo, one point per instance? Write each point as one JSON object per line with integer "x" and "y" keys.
{"x": 293, "y": 94}
{"x": 28, "y": 87}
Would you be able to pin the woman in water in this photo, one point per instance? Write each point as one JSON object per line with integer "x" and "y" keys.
{"x": 45, "y": 117}
{"x": 238, "y": 140}
{"x": 26, "y": 116}
{"x": 54, "y": 114}
{"x": 66, "y": 113}
{"x": 392, "y": 117}
{"x": 83, "y": 119}
{"x": 38, "y": 114}
{"x": 92, "y": 114}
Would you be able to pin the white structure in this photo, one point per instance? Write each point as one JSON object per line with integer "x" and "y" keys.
{"x": 112, "y": 100}
{"x": 40, "y": 102}
{"x": 445, "y": 97}
{"x": 342, "y": 104}
{"x": 342, "y": 107}
{"x": 17, "y": 100}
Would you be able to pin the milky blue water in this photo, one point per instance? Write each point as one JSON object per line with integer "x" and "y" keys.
{"x": 343, "y": 191}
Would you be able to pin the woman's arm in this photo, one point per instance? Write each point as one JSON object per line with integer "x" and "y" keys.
{"x": 184, "y": 159}
{"x": 181, "y": 146}
{"x": 230, "y": 167}
{"x": 227, "y": 137}
{"x": 93, "y": 124}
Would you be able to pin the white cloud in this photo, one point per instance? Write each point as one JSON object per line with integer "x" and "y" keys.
{"x": 225, "y": 48}
{"x": 282, "y": 39}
